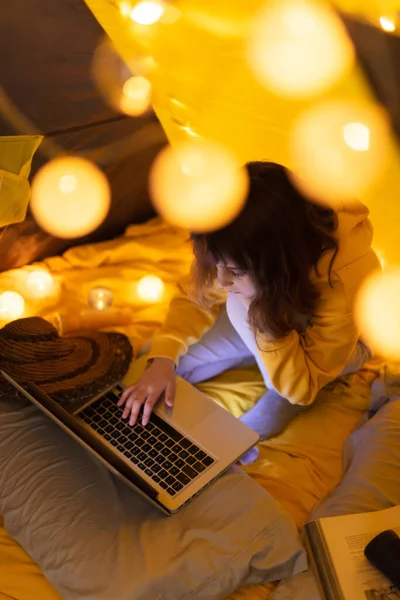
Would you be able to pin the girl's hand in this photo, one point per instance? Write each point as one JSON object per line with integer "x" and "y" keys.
{"x": 158, "y": 378}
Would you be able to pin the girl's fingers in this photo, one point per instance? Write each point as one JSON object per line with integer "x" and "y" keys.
{"x": 149, "y": 405}
{"x": 125, "y": 394}
{"x": 135, "y": 410}
{"x": 170, "y": 393}
{"x": 137, "y": 396}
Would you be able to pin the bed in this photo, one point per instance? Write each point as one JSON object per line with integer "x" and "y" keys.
{"x": 298, "y": 468}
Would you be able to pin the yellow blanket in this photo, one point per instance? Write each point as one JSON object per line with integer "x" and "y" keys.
{"x": 298, "y": 467}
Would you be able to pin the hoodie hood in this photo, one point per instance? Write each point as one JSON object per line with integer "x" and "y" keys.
{"x": 354, "y": 234}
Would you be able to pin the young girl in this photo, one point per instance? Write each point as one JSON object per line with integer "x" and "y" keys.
{"x": 275, "y": 287}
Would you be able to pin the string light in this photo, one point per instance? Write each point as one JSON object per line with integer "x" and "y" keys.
{"x": 339, "y": 149}
{"x": 39, "y": 284}
{"x": 298, "y": 47}
{"x": 125, "y": 9}
{"x": 150, "y": 288}
{"x": 100, "y": 298}
{"x": 12, "y": 306}
{"x": 377, "y": 312}
{"x": 147, "y": 12}
{"x": 198, "y": 185}
{"x": 70, "y": 197}
{"x": 387, "y": 24}
{"x": 136, "y": 95}
{"x": 356, "y": 136}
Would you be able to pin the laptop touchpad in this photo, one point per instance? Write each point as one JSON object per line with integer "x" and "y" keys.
{"x": 190, "y": 408}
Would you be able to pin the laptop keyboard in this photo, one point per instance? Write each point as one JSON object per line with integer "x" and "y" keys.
{"x": 159, "y": 450}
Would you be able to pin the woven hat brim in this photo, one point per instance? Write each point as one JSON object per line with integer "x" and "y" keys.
{"x": 95, "y": 362}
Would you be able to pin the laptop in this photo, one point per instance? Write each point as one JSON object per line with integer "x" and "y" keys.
{"x": 169, "y": 462}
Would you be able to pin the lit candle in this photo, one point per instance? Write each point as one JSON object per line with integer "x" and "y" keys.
{"x": 100, "y": 298}
{"x": 12, "y": 306}
{"x": 39, "y": 284}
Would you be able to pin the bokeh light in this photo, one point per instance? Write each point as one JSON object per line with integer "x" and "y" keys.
{"x": 198, "y": 185}
{"x": 125, "y": 8}
{"x": 150, "y": 288}
{"x": 125, "y": 87}
{"x": 387, "y": 24}
{"x": 298, "y": 48}
{"x": 147, "y": 12}
{"x": 377, "y": 312}
{"x": 12, "y": 306}
{"x": 339, "y": 149}
{"x": 39, "y": 284}
{"x": 356, "y": 136}
{"x": 136, "y": 95}
{"x": 70, "y": 197}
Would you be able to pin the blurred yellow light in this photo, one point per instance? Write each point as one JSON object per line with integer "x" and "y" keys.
{"x": 298, "y": 47}
{"x": 147, "y": 12}
{"x": 70, "y": 197}
{"x": 12, "y": 306}
{"x": 136, "y": 95}
{"x": 39, "y": 284}
{"x": 150, "y": 288}
{"x": 125, "y": 9}
{"x": 339, "y": 149}
{"x": 387, "y": 24}
{"x": 198, "y": 185}
{"x": 356, "y": 136}
{"x": 377, "y": 312}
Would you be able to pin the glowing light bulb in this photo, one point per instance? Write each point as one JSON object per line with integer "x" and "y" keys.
{"x": 12, "y": 306}
{"x": 39, "y": 284}
{"x": 100, "y": 298}
{"x": 377, "y": 312}
{"x": 339, "y": 149}
{"x": 147, "y": 12}
{"x": 136, "y": 95}
{"x": 150, "y": 288}
{"x": 70, "y": 197}
{"x": 387, "y": 24}
{"x": 356, "y": 136}
{"x": 125, "y": 9}
{"x": 298, "y": 47}
{"x": 198, "y": 185}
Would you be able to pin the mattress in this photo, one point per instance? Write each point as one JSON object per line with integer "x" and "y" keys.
{"x": 298, "y": 467}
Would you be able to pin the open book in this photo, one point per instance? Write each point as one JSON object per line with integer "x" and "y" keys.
{"x": 337, "y": 547}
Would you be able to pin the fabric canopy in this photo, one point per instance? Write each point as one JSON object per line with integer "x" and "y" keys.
{"x": 203, "y": 86}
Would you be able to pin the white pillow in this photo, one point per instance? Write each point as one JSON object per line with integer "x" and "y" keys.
{"x": 372, "y": 457}
{"x": 94, "y": 538}
{"x": 371, "y": 482}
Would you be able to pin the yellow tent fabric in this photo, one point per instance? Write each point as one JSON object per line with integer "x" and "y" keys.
{"x": 16, "y": 153}
{"x": 202, "y": 86}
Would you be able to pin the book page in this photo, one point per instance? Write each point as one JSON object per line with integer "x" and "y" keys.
{"x": 346, "y": 538}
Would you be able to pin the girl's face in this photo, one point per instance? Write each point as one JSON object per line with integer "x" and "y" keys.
{"x": 234, "y": 280}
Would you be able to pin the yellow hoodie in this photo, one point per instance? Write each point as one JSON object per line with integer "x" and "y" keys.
{"x": 300, "y": 364}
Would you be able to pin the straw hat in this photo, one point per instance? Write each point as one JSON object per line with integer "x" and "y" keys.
{"x": 67, "y": 368}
